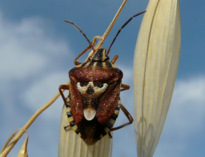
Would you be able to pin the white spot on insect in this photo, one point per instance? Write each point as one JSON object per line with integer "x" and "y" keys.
{"x": 96, "y": 89}
{"x": 89, "y": 113}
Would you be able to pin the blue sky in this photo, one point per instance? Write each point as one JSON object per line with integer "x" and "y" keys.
{"x": 37, "y": 50}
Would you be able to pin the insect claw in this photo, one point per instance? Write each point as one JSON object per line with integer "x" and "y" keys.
{"x": 110, "y": 135}
{"x": 95, "y": 38}
{"x": 67, "y": 128}
{"x": 124, "y": 87}
{"x": 76, "y": 62}
{"x": 114, "y": 59}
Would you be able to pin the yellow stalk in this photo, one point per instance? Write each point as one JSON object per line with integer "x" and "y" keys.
{"x": 23, "y": 151}
{"x": 155, "y": 68}
{"x": 7, "y": 149}
{"x": 100, "y": 43}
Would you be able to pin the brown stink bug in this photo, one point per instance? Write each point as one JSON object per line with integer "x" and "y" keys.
{"x": 93, "y": 103}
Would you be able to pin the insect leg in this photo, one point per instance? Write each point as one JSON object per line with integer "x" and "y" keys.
{"x": 63, "y": 87}
{"x": 110, "y": 135}
{"x": 129, "y": 117}
{"x": 124, "y": 87}
{"x": 75, "y": 60}
{"x": 114, "y": 59}
{"x": 67, "y": 128}
{"x": 95, "y": 38}
{"x": 93, "y": 42}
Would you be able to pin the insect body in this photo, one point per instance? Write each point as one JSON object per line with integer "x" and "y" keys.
{"x": 94, "y": 99}
{"x": 93, "y": 103}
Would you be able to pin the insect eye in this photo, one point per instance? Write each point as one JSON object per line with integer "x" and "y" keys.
{"x": 98, "y": 84}
{"x": 83, "y": 84}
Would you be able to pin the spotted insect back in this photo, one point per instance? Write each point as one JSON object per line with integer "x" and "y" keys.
{"x": 91, "y": 131}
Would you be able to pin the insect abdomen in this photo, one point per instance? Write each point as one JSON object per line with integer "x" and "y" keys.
{"x": 91, "y": 131}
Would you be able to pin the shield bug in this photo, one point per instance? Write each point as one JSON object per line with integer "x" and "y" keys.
{"x": 93, "y": 103}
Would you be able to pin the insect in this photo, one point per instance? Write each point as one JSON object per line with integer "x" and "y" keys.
{"x": 93, "y": 103}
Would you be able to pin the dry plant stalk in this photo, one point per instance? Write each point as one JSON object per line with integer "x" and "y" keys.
{"x": 155, "y": 68}
{"x": 23, "y": 150}
{"x": 100, "y": 43}
{"x": 9, "y": 145}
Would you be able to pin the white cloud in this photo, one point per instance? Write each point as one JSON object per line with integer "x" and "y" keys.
{"x": 26, "y": 48}
{"x": 185, "y": 119}
{"x": 30, "y": 73}
{"x": 40, "y": 92}
{"x": 188, "y": 105}
{"x": 127, "y": 73}
{"x": 28, "y": 55}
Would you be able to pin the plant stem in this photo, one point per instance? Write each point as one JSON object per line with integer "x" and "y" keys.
{"x": 28, "y": 124}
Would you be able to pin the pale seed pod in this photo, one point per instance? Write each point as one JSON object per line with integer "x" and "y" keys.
{"x": 155, "y": 68}
{"x": 71, "y": 145}
{"x": 23, "y": 151}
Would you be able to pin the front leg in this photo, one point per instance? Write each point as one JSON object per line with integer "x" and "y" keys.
{"x": 124, "y": 87}
{"x": 84, "y": 51}
{"x": 95, "y": 39}
{"x": 61, "y": 88}
{"x": 114, "y": 59}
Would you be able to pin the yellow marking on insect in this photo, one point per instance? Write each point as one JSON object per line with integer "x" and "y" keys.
{"x": 104, "y": 65}
{"x": 70, "y": 119}
{"x": 97, "y": 90}
{"x": 117, "y": 112}
{"x": 107, "y": 130}
{"x": 101, "y": 136}
{"x": 75, "y": 127}
{"x": 112, "y": 121}
{"x": 114, "y": 66}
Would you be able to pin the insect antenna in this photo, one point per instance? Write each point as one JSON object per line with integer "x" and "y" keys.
{"x": 80, "y": 30}
{"x": 122, "y": 28}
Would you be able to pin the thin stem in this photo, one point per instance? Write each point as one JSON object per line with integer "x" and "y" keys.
{"x": 28, "y": 124}
{"x": 111, "y": 24}
{"x": 100, "y": 43}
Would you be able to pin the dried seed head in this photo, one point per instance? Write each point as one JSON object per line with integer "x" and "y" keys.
{"x": 155, "y": 68}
